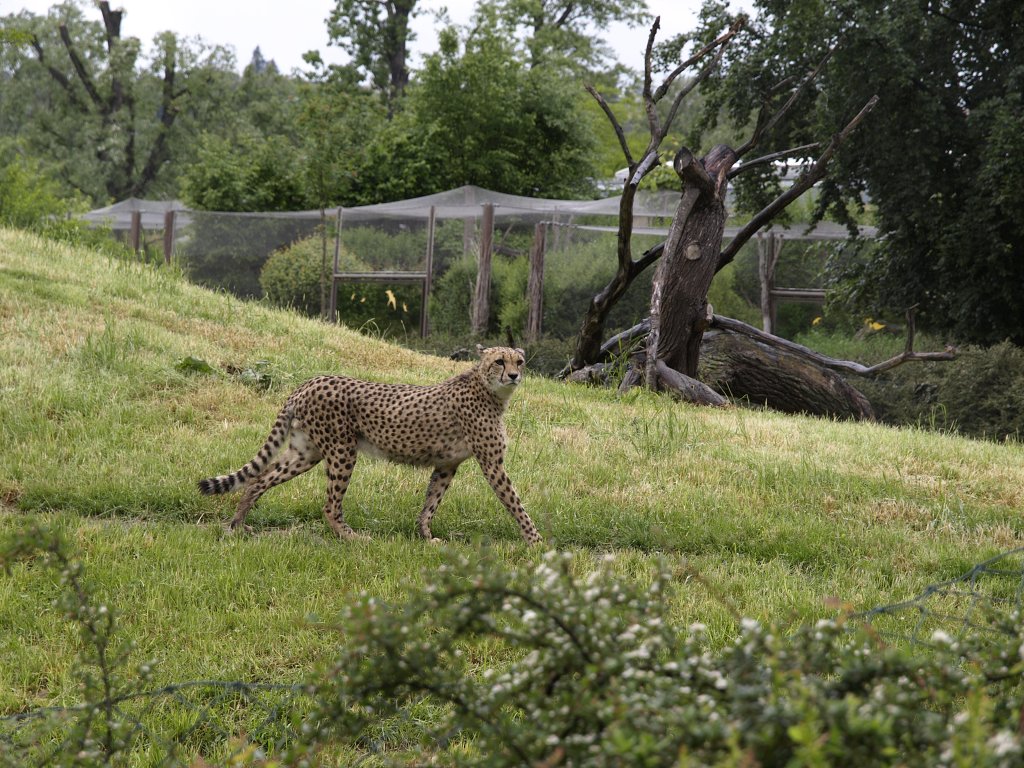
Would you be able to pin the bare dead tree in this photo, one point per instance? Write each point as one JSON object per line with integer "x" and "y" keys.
{"x": 588, "y": 341}
{"x": 692, "y": 254}
{"x": 762, "y": 368}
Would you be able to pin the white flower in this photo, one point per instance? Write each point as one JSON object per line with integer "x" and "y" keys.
{"x": 1004, "y": 743}
{"x": 938, "y": 636}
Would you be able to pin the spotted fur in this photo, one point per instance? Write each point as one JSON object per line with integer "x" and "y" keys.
{"x": 334, "y": 418}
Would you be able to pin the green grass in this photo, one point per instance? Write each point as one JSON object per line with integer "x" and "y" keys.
{"x": 105, "y": 437}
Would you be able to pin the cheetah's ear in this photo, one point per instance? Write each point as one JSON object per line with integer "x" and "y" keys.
{"x": 480, "y": 349}
{"x": 521, "y": 352}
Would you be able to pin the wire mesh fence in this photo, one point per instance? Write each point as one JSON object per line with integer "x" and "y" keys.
{"x": 490, "y": 260}
{"x": 181, "y": 724}
{"x": 983, "y": 602}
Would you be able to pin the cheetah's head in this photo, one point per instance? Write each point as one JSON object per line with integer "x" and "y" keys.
{"x": 501, "y": 369}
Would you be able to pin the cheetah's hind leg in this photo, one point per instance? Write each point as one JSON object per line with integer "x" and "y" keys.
{"x": 300, "y": 457}
{"x": 339, "y": 460}
{"x": 439, "y": 482}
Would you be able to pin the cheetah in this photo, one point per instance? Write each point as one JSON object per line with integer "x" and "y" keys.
{"x": 333, "y": 418}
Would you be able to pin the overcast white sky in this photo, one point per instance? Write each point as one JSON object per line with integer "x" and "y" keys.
{"x": 285, "y": 30}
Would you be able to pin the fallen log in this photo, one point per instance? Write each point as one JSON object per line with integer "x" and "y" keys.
{"x": 744, "y": 363}
{"x": 762, "y": 374}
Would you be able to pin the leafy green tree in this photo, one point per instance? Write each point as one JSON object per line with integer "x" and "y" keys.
{"x": 478, "y": 114}
{"x": 941, "y": 160}
{"x": 245, "y": 173}
{"x": 376, "y": 35}
{"x": 264, "y": 99}
{"x": 83, "y": 98}
{"x": 567, "y": 32}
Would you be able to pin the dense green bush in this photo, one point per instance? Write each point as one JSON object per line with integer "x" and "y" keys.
{"x": 599, "y": 675}
{"x": 28, "y": 198}
{"x": 979, "y": 394}
{"x": 400, "y": 249}
{"x": 452, "y": 295}
{"x": 291, "y": 278}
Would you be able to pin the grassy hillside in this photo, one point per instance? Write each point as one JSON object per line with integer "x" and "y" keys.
{"x": 105, "y": 433}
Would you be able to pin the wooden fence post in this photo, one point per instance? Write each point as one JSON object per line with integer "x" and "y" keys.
{"x": 535, "y": 284}
{"x": 168, "y": 236}
{"x": 481, "y": 309}
{"x": 332, "y": 311}
{"x": 135, "y": 233}
{"x": 769, "y": 247}
{"x": 428, "y": 277}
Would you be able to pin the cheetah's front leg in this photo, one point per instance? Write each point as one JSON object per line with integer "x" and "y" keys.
{"x": 494, "y": 471}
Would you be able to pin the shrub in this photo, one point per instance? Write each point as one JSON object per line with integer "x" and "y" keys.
{"x": 598, "y": 675}
{"x": 398, "y": 249}
{"x": 291, "y": 278}
{"x": 27, "y": 197}
{"x": 979, "y": 394}
{"x": 453, "y": 294}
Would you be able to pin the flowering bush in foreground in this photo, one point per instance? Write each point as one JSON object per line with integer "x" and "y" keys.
{"x": 597, "y": 676}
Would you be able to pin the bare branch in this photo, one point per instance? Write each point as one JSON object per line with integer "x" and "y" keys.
{"x": 650, "y": 256}
{"x": 112, "y": 24}
{"x": 649, "y": 103}
{"x": 691, "y": 172}
{"x": 79, "y": 66}
{"x": 649, "y": 161}
{"x": 765, "y": 124}
{"x": 688, "y": 389}
{"x": 806, "y": 180}
{"x": 620, "y": 134}
{"x": 721, "y": 40}
{"x": 765, "y": 159}
{"x": 55, "y": 73}
{"x": 845, "y": 366}
{"x": 685, "y": 90}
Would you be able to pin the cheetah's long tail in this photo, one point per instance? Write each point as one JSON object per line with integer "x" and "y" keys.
{"x": 277, "y": 439}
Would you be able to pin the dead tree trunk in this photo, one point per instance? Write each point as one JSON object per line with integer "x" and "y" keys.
{"x": 588, "y": 341}
{"x": 679, "y": 294}
{"x": 762, "y": 374}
